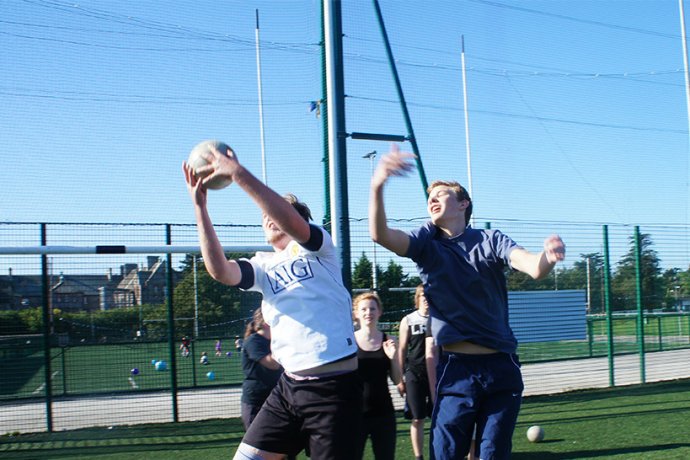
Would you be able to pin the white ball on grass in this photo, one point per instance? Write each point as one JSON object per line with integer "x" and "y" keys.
{"x": 535, "y": 433}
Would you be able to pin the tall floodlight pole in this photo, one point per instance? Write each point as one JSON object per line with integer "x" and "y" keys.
{"x": 374, "y": 276}
{"x": 337, "y": 148}
{"x": 685, "y": 63}
{"x": 261, "y": 99}
{"x": 467, "y": 124}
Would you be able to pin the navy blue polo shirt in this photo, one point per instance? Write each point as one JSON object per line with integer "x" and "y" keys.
{"x": 465, "y": 285}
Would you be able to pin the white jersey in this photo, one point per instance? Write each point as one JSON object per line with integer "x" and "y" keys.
{"x": 305, "y": 304}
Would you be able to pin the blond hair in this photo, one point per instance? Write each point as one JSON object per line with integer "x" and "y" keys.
{"x": 418, "y": 293}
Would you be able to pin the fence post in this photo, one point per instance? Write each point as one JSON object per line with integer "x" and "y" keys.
{"x": 171, "y": 324}
{"x": 63, "y": 352}
{"x": 590, "y": 335}
{"x": 47, "y": 326}
{"x": 661, "y": 337}
{"x": 607, "y": 303}
{"x": 638, "y": 296}
{"x": 193, "y": 353}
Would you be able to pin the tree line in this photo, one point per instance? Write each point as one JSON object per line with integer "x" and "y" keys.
{"x": 222, "y": 310}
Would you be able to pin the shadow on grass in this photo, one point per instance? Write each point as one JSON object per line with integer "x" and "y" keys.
{"x": 138, "y": 450}
{"x": 23, "y": 370}
{"x": 661, "y": 449}
{"x": 584, "y": 396}
{"x": 130, "y": 440}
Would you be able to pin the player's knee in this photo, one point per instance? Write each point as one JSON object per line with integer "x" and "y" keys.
{"x": 246, "y": 452}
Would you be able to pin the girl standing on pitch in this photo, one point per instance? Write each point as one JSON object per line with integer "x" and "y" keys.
{"x": 411, "y": 358}
{"x": 377, "y": 361}
{"x": 261, "y": 371}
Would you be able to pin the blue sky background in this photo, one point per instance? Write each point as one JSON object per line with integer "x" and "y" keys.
{"x": 577, "y": 108}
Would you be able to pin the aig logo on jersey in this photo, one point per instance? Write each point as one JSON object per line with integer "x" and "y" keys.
{"x": 418, "y": 329}
{"x": 288, "y": 273}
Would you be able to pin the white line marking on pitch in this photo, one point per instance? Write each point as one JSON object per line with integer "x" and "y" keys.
{"x": 43, "y": 385}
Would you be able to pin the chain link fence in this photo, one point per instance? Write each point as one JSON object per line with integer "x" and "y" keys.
{"x": 96, "y": 339}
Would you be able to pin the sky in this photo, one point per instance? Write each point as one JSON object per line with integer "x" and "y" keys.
{"x": 576, "y": 109}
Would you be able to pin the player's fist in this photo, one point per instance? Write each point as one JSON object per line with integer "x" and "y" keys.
{"x": 554, "y": 249}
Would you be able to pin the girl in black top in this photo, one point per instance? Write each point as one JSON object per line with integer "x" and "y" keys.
{"x": 377, "y": 361}
{"x": 261, "y": 371}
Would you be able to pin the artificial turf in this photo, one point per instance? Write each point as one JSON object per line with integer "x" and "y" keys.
{"x": 635, "y": 422}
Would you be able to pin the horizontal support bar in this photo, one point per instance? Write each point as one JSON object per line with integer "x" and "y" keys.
{"x": 116, "y": 249}
{"x": 379, "y": 137}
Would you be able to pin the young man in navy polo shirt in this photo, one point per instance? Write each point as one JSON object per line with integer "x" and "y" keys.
{"x": 462, "y": 269}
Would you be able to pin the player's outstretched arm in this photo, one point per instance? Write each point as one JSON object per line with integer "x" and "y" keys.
{"x": 539, "y": 265}
{"x": 271, "y": 203}
{"x": 395, "y": 163}
{"x": 221, "y": 269}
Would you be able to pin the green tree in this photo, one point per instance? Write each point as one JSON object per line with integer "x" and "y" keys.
{"x": 518, "y": 281}
{"x": 684, "y": 283}
{"x": 674, "y": 288}
{"x": 395, "y": 301}
{"x": 576, "y": 277}
{"x": 395, "y": 277}
{"x": 623, "y": 281}
{"x": 361, "y": 273}
{"x": 221, "y": 308}
{"x": 11, "y": 323}
{"x": 32, "y": 319}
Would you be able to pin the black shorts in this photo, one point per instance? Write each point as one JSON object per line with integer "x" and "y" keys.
{"x": 418, "y": 405}
{"x": 248, "y": 413}
{"x": 323, "y": 416}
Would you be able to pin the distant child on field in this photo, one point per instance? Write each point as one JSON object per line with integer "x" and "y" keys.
{"x": 204, "y": 358}
{"x": 184, "y": 346}
{"x": 219, "y": 348}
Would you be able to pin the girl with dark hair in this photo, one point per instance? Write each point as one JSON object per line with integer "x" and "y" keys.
{"x": 261, "y": 371}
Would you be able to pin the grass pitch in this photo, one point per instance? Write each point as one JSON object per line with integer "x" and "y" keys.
{"x": 636, "y": 422}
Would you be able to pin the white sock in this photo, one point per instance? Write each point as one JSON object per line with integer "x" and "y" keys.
{"x": 245, "y": 452}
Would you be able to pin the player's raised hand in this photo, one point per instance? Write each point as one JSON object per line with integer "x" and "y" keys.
{"x": 390, "y": 347}
{"x": 194, "y": 185}
{"x": 220, "y": 167}
{"x": 554, "y": 249}
{"x": 394, "y": 163}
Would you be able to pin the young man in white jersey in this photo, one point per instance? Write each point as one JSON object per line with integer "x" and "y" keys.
{"x": 412, "y": 359}
{"x": 316, "y": 404}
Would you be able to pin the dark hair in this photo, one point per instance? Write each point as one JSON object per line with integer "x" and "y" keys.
{"x": 460, "y": 193}
{"x": 255, "y": 324}
{"x": 301, "y": 208}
